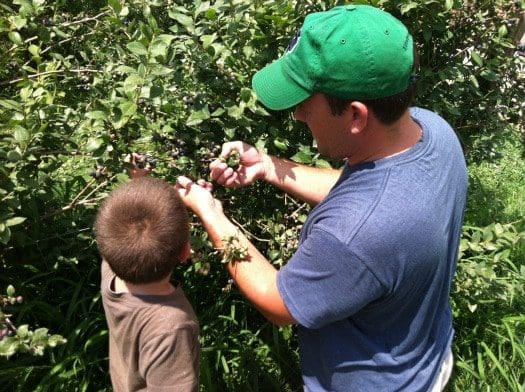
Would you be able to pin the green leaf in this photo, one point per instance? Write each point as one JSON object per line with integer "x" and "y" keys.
{"x": 34, "y": 50}
{"x": 156, "y": 90}
{"x": 18, "y": 22}
{"x": 211, "y": 14}
{"x": 489, "y": 75}
{"x": 160, "y": 70}
{"x": 476, "y": 58}
{"x": 115, "y": 5}
{"x": 208, "y": 39}
{"x": 449, "y": 4}
{"x": 127, "y": 108}
{"x": 408, "y": 6}
{"x": 322, "y": 163}
{"x": 281, "y": 144}
{"x": 55, "y": 340}
{"x": 502, "y": 31}
{"x": 246, "y": 94}
{"x": 15, "y": 37}
{"x": 97, "y": 115}
{"x": 9, "y": 104}
{"x": 166, "y": 38}
{"x": 94, "y": 144}
{"x": 274, "y": 254}
{"x": 10, "y": 291}
{"x": 159, "y": 48}
{"x": 21, "y": 135}
{"x": 15, "y": 221}
{"x": 235, "y": 111}
{"x": 137, "y": 48}
{"x": 182, "y": 19}
{"x": 23, "y": 331}
{"x": 5, "y": 235}
{"x": 14, "y": 156}
{"x": 474, "y": 81}
{"x": 302, "y": 157}
{"x": 8, "y": 346}
{"x": 197, "y": 116}
{"x": 40, "y": 334}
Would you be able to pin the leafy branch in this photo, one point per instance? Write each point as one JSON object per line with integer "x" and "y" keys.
{"x": 21, "y": 339}
{"x": 52, "y": 72}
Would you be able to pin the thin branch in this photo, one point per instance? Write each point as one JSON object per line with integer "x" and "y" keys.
{"x": 73, "y": 202}
{"x": 85, "y": 201}
{"x": 58, "y": 44}
{"x": 58, "y": 71}
{"x": 247, "y": 232}
{"x": 89, "y": 19}
{"x": 72, "y": 206}
{"x": 10, "y": 323}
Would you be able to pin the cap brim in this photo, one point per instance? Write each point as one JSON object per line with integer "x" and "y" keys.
{"x": 275, "y": 89}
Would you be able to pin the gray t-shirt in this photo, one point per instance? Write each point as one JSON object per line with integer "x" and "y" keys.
{"x": 369, "y": 284}
{"x": 153, "y": 340}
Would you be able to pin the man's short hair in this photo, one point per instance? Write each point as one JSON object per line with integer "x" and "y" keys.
{"x": 141, "y": 230}
{"x": 387, "y": 110}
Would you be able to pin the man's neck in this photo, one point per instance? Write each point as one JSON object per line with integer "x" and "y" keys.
{"x": 387, "y": 141}
{"x": 162, "y": 287}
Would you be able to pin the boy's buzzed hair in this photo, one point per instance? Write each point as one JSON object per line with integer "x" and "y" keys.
{"x": 142, "y": 229}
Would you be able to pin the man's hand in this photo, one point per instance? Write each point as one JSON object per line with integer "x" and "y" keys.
{"x": 251, "y": 166}
{"x": 197, "y": 197}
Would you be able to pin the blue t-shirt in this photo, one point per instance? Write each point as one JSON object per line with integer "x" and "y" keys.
{"x": 369, "y": 284}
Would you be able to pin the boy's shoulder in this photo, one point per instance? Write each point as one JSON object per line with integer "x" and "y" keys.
{"x": 150, "y": 314}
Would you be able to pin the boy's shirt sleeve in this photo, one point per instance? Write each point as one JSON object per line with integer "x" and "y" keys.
{"x": 170, "y": 362}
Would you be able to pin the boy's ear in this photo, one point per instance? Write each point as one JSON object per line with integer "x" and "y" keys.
{"x": 185, "y": 252}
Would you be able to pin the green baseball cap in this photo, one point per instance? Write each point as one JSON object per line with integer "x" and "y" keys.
{"x": 349, "y": 52}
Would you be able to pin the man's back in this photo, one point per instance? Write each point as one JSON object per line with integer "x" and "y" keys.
{"x": 370, "y": 281}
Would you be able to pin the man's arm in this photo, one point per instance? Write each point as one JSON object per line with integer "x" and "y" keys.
{"x": 255, "y": 276}
{"x": 310, "y": 184}
{"x": 306, "y": 183}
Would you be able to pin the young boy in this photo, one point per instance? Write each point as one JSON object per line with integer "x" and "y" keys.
{"x": 142, "y": 232}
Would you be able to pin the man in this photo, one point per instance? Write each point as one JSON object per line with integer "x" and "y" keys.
{"x": 369, "y": 283}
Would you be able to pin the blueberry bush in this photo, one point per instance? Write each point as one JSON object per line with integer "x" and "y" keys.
{"x": 86, "y": 84}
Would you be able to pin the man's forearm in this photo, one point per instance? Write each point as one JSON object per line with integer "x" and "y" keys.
{"x": 309, "y": 184}
{"x": 255, "y": 276}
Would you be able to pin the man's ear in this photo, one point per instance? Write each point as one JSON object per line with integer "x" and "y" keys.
{"x": 359, "y": 120}
{"x": 185, "y": 252}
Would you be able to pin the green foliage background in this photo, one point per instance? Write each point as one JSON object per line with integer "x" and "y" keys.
{"x": 83, "y": 84}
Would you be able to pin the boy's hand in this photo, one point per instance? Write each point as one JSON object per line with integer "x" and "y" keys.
{"x": 251, "y": 165}
{"x": 197, "y": 196}
{"x": 137, "y": 169}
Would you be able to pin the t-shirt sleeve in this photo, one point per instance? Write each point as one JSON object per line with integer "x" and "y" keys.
{"x": 325, "y": 282}
{"x": 170, "y": 362}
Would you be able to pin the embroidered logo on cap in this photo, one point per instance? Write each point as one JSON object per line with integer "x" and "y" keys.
{"x": 293, "y": 43}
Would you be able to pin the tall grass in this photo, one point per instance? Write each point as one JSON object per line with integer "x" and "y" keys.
{"x": 489, "y": 346}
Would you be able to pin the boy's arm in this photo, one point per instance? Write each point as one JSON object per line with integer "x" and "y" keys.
{"x": 255, "y": 276}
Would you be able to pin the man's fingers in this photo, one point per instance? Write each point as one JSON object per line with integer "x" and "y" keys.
{"x": 227, "y": 149}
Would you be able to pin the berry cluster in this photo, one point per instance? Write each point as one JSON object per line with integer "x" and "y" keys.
{"x": 233, "y": 160}
{"x": 7, "y": 328}
{"x": 146, "y": 161}
{"x": 98, "y": 173}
